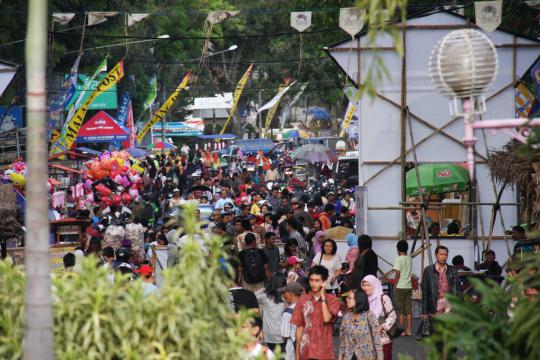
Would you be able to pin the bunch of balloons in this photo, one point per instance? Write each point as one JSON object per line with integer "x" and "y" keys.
{"x": 17, "y": 174}
{"x": 115, "y": 177}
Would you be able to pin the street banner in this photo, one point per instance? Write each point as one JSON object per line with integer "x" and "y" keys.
{"x": 488, "y": 14}
{"x": 287, "y": 111}
{"x": 98, "y": 17}
{"x": 72, "y": 126}
{"x": 160, "y": 114}
{"x": 56, "y": 108}
{"x": 272, "y": 111}
{"x": 348, "y": 117}
{"x": 121, "y": 116}
{"x": 135, "y": 18}
{"x": 131, "y": 127}
{"x": 236, "y": 96}
{"x": 301, "y": 20}
{"x": 535, "y": 75}
{"x": 151, "y": 97}
{"x": 63, "y": 18}
{"x": 351, "y": 20}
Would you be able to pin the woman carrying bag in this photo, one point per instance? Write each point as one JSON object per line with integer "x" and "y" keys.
{"x": 360, "y": 333}
{"x": 329, "y": 258}
{"x": 381, "y": 306}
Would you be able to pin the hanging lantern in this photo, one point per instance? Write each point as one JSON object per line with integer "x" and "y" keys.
{"x": 462, "y": 66}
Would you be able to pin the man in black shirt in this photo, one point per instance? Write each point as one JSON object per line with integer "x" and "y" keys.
{"x": 253, "y": 265}
{"x": 271, "y": 251}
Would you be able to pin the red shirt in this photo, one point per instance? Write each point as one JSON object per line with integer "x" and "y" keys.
{"x": 325, "y": 221}
{"x": 317, "y": 341}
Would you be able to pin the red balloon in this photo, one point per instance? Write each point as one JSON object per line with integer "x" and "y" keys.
{"x": 107, "y": 201}
{"x": 126, "y": 198}
{"x": 116, "y": 199}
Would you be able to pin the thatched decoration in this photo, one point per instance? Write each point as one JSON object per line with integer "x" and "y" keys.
{"x": 511, "y": 165}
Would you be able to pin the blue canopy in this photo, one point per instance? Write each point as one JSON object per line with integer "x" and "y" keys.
{"x": 319, "y": 113}
{"x": 218, "y": 136}
{"x": 254, "y": 145}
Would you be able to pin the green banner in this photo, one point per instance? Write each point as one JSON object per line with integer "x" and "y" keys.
{"x": 107, "y": 100}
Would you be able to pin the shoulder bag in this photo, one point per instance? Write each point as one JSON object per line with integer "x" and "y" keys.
{"x": 396, "y": 330}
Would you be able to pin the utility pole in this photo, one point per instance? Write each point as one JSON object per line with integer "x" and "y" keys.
{"x": 38, "y": 343}
{"x": 259, "y": 116}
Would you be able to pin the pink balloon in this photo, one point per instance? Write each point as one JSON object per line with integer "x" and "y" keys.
{"x": 87, "y": 184}
{"x": 116, "y": 199}
{"x": 125, "y": 182}
{"x": 134, "y": 193}
{"x": 118, "y": 179}
{"x": 135, "y": 178}
{"x": 90, "y": 198}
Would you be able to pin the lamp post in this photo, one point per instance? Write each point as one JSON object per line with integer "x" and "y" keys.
{"x": 161, "y": 37}
{"x": 462, "y": 66}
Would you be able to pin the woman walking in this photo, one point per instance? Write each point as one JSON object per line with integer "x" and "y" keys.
{"x": 272, "y": 306}
{"x": 381, "y": 306}
{"x": 329, "y": 258}
{"x": 359, "y": 335}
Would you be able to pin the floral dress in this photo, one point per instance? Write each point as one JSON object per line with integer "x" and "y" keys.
{"x": 360, "y": 335}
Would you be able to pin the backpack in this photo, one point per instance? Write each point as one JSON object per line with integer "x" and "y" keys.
{"x": 253, "y": 266}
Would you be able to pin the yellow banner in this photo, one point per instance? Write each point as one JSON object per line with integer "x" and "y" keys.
{"x": 160, "y": 114}
{"x": 71, "y": 129}
{"x": 236, "y": 97}
{"x": 271, "y": 112}
{"x": 347, "y": 121}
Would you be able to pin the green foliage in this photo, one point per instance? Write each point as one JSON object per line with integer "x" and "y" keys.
{"x": 484, "y": 330}
{"x": 96, "y": 319}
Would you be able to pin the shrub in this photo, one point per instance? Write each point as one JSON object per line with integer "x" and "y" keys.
{"x": 96, "y": 319}
{"x": 485, "y": 330}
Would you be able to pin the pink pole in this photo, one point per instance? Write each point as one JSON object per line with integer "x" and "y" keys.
{"x": 469, "y": 138}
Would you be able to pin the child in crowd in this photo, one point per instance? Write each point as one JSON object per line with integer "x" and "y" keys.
{"x": 403, "y": 285}
{"x": 291, "y": 294}
{"x": 254, "y": 349}
{"x": 294, "y": 269}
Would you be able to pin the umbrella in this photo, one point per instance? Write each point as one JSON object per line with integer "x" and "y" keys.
{"x": 314, "y": 153}
{"x": 295, "y": 134}
{"x": 160, "y": 145}
{"x": 136, "y": 152}
{"x": 437, "y": 178}
{"x": 319, "y": 113}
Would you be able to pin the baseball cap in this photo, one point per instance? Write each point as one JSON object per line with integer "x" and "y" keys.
{"x": 293, "y": 260}
{"x": 294, "y": 200}
{"x": 331, "y": 193}
{"x": 294, "y": 288}
{"x": 176, "y": 190}
{"x": 145, "y": 270}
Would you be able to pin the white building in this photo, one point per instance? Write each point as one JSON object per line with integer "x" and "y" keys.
{"x": 384, "y": 136}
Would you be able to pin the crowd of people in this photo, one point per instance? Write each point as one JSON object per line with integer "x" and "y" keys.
{"x": 302, "y": 295}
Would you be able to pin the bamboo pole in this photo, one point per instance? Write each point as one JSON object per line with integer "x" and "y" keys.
{"x": 403, "y": 138}
{"x": 38, "y": 341}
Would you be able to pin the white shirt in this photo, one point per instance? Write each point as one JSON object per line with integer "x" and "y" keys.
{"x": 257, "y": 351}
{"x": 333, "y": 265}
{"x": 288, "y": 332}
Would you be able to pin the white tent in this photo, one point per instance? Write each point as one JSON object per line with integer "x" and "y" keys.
{"x": 384, "y": 136}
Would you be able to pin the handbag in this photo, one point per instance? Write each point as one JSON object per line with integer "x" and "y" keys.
{"x": 424, "y": 330}
{"x": 396, "y": 329}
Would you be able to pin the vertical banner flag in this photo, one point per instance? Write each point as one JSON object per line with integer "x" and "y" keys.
{"x": 535, "y": 75}
{"x": 72, "y": 126}
{"x": 150, "y": 98}
{"x": 287, "y": 112}
{"x": 163, "y": 109}
{"x": 528, "y": 92}
{"x": 488, "y": 14}
{"x": 351, "y": 20}
{"x": 121, "y": 116}
{"x": 274, "y": 103}
{"x": 353, "y": 95}
{"x": 301, "y": 20}
{"x": 64, "y": 96}
{"x": 236, "y": 97}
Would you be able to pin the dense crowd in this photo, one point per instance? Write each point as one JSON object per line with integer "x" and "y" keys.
{"x": 287, "y": 269}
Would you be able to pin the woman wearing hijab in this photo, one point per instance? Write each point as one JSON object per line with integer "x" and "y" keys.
{"x": 353, "y": 252}
{"x": 381, "y": 306}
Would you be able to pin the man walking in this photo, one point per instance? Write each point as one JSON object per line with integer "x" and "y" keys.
{"x": 314, "y": 317}
{"x": 253, "y": 265}
{"x": 439, "y": 279}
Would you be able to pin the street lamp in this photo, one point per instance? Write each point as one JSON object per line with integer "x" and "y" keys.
{"x": 161, "y": 37}
{"x": 231, "y": 48}
{"x": 462, "y": 66}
